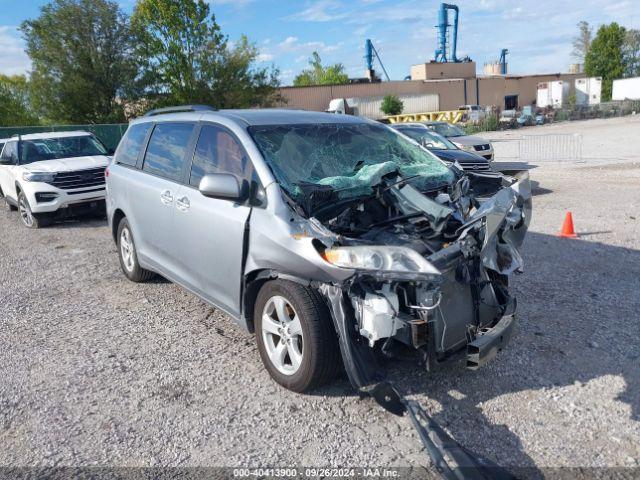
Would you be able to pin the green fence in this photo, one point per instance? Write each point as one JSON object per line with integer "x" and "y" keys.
{"x": 110, "y": 135}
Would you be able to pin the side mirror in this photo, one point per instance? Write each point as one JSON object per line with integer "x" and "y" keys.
{"x": 221, "y": 185}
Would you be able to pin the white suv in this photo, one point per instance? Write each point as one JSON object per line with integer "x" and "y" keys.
{"x": 41, "y": 174}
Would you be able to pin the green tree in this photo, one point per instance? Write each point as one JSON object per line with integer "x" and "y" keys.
{"x": 82, "y": 63}
{"x": 318, "y": 74}
{"x": 391, "y": 105}
{"x": 15, "y": 105}
{"x": 185, "y": 58}
{"x": 605, "y": 56}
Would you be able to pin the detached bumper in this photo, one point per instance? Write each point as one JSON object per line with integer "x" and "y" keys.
{"x": 489, "y": 342}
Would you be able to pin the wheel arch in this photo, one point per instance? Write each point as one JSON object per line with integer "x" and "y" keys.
{"x": 253, "y": 282}
{"x": 118, "y": 215}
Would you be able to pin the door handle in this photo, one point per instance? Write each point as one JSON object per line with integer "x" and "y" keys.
{"x": 183, "y": 204}
{"x": 166, "y": 197}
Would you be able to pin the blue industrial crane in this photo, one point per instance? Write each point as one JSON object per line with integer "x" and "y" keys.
{"x": 443, "y": 26}
{"x": 503, "y": 61}
{"x": 370, "y": 51}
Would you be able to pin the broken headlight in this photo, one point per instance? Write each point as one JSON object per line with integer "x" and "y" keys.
{"x": 383, "y": 258}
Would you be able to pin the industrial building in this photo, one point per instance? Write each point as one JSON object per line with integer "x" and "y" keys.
{"x": 503, "y": 91}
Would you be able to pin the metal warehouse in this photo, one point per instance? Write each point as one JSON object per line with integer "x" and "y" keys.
{"x": 504, "y": 91}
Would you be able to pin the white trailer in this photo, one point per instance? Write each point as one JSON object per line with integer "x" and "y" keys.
{"x": 552, "y": 94}
{"x": 588, "y": 91}
{"x": 626, "y": 89}
{"x": 369, "y": 107}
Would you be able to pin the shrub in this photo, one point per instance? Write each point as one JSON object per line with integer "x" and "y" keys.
{"x": 391, "y": 105}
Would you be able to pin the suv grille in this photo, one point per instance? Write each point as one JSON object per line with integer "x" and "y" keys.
{"x": 475, "y": 166}
{"x": 79, "y": 179}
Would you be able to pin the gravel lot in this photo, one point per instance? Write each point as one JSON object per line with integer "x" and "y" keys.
{"x": 100, "y": 371}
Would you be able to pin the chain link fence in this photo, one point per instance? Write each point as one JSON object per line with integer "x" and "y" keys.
{"x": 109, "y": 135}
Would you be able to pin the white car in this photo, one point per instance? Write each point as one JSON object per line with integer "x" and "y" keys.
{"x": 44, "y": 173}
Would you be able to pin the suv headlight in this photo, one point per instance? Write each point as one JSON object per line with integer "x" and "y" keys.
{"x": 38, "y": 177}
{"x": 466, "y": 148}
{"x": 380, "y": 259}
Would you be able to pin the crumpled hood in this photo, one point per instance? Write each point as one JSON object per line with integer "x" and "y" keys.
{"x": 68, "y": 164}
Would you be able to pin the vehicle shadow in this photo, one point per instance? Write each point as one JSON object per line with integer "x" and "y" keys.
{"x": 79, "y": 221}
{"x": 578, "y": 304}
{"x": 536, "y": 189}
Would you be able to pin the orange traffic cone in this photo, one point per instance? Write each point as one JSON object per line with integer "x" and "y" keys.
{"x": 567, "y": 227}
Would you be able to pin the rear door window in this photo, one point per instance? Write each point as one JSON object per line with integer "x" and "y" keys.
{"x": 131, "y": 145}
{"x": 167, "y": 148}
{"x": 218, "y": 151}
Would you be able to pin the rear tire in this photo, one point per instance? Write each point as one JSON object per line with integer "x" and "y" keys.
{"x": 128, "y": 256}
{"x": 296, "y": 339}
{"x": 30, "y": 219}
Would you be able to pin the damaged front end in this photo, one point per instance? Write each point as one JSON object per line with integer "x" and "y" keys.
{"x": 439, "y": 283}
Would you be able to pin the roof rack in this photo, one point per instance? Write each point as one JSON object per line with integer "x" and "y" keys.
{"x": 179, "y": 109}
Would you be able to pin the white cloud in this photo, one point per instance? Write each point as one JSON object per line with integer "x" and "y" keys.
{"x": 293, "y": 44}
{"x": 13, "y": 59}
{"x": 320, "y": 11}
{"x": 288, "y": 43}
{"x": 265, "y": 57}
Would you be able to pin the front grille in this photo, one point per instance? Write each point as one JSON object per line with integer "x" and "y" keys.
{"x": 480, "y": 148}
{"x": 475, "y": 166}
{"x": 79, "y": 179}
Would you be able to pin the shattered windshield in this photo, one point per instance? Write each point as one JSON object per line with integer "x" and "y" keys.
{"x": 348, "y": 158}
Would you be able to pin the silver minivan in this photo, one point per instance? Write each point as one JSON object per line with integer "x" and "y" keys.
{"x": 334, "y": 238}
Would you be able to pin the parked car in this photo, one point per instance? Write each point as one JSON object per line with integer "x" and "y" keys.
{"x": 473, "y": 113}
{"x": 442, "y": 147}
{"x": 461, "y": 140}
{"x": 44, "y": 174}
{"x": 326, "y": 235}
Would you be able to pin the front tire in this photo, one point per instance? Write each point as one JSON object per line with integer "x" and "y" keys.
{"x": 30, "y": 219}
{"x": 128, "y": 256}
{"x": 296, "y": 339}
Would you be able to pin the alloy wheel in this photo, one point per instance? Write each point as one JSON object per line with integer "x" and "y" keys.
{"x": 25, "y": 211}
{"x": 282, "y": 335}
{"x": 127, "y": 249}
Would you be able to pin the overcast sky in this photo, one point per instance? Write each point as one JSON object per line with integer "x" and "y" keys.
{"x": 538, "y": 33}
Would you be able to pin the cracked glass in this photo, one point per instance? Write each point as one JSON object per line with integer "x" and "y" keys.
{"x": 348, "y": 157}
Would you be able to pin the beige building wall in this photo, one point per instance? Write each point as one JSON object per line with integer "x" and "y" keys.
{"x": 439, "y": 70}
{"x": 451, "y": 92}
